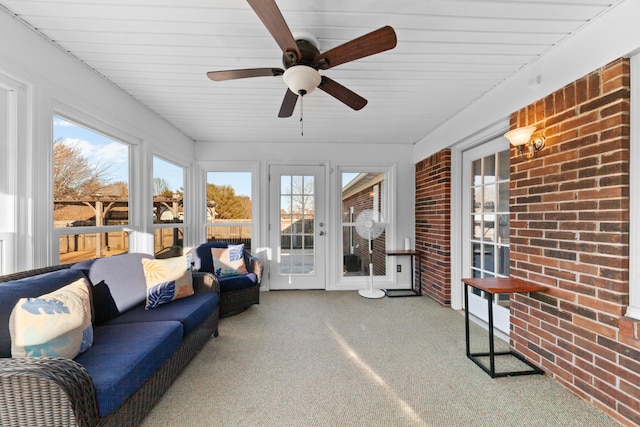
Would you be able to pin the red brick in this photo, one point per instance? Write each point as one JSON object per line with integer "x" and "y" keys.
{"x": 433, "y": 203}
{"x": 569, "y": 220}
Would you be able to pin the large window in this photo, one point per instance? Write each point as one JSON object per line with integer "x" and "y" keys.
{"x": 363, "y": 197}
{"x": 90, "y": 192}
{"x": 168, "y": 208}
{"x": 7, "y": 180}
{"x": 229, "y": 207}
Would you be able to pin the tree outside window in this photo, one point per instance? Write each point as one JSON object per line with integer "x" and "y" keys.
{"x": 90, "y": 189}
{"x": 229, "y": 207}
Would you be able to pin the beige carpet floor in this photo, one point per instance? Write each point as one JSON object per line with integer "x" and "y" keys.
{"x": 317, "y": 358}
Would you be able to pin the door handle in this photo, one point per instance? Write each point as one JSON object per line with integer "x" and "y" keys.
{"x": 321, "y": 233}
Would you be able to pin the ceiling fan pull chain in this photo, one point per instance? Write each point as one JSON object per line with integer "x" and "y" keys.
{"x": 302, "y": 93}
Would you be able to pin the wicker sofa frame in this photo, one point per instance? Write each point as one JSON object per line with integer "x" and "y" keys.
{"x": 60, "y": 392}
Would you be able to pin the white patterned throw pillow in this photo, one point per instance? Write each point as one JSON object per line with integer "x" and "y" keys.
{"x": 228, "y": 261}
{"x": 57, "y": 324}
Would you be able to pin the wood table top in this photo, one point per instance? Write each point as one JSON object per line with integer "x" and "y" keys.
{"x": 401, "y": 252}
{"x": 503, "y": 285}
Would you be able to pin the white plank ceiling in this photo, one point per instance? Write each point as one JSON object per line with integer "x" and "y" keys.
{"x": 449, "y": 53}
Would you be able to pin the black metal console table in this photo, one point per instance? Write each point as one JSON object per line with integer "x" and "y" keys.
{"x": 414, "y": 291}
{"x": 497, "y": 285}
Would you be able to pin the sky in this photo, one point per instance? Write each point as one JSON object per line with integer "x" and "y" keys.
{"x": 96, "y": 148}
{"x": 347, "y": 177}
{"x": 99, "y": 149}
{"x": 240, "y": 181}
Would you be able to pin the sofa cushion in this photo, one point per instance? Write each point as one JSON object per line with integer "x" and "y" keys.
{"x": 228, "y": 261}
{"x": 30, "y": 287}
{"x": 57, "y": 324}
{"x": 189, "y": 311}
{"x": 124, "y": 356}
{"x": 233, "y": 283}
{"x": 167, "y": 280}
{"x": 118, "y": 283}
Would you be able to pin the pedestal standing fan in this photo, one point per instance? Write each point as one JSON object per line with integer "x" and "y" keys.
{"x": 370, "y": 225}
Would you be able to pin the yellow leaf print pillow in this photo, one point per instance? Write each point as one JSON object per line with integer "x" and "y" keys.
{"x": 167, "y": 280}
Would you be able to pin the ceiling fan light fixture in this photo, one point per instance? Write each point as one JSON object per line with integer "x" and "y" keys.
{"x": 301, "y": 79}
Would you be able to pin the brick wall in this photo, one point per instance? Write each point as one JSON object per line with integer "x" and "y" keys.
{"x": 570, "y": 231}
{"x": 433, "y": 229}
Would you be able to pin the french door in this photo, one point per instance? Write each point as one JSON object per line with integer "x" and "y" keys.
{"x": 297, "y": 228}
{"x": 485, "y": 220}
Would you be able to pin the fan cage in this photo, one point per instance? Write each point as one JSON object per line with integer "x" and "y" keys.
{"x": 356, "y": 258}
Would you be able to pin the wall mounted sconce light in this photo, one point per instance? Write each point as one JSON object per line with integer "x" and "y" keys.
{"x": 526, "y": 141}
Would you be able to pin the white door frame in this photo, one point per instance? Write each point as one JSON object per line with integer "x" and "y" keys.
{"x": 338, "y": 280}
{"x": 493, "y": 131}
{"x": 477, "y": 304}
{"x": 286, "y": 279}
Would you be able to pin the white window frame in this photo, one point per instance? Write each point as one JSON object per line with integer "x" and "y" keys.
{"x": 136, "y": 244}
{"x": 185, "y": 201}
{"x": 9, "y": 175}
{"x": 633, "y": 310}
{"x": 251, "y": 167}
{"x": 388, "y": 210}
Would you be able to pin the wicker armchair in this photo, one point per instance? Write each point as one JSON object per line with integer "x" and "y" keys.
{"x": 234, "y": 299}
{"x": 60, "y": 392}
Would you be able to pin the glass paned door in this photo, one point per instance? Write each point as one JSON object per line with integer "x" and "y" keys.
{"x": 486, "y": 225}
{"x": 297, "y": 227}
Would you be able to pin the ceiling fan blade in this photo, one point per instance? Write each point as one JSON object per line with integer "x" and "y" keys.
{"x": 342, "y": 94}
{"x": 374, "y": 42}
{"x": 219, "y": 76}
{"x": 288, "y": 104}
{"x": 271, "y": 17}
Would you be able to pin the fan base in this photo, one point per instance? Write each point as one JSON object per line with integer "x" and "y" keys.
{"x": 371, "y": 293}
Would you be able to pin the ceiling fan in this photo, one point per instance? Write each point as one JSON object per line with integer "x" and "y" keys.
{"x": 302, "y": 59}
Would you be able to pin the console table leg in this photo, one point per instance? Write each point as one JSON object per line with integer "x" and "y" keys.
{"x": 492, "y": 353}
{"x": 466, "y": 318}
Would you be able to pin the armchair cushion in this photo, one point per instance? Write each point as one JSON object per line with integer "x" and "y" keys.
{"x": 202, "y": 258}
{"x": 233, "y": 283}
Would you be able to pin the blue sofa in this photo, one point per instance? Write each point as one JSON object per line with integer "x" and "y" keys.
{"x": 136, "y": 353}
{"x": 238, "y": 292}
